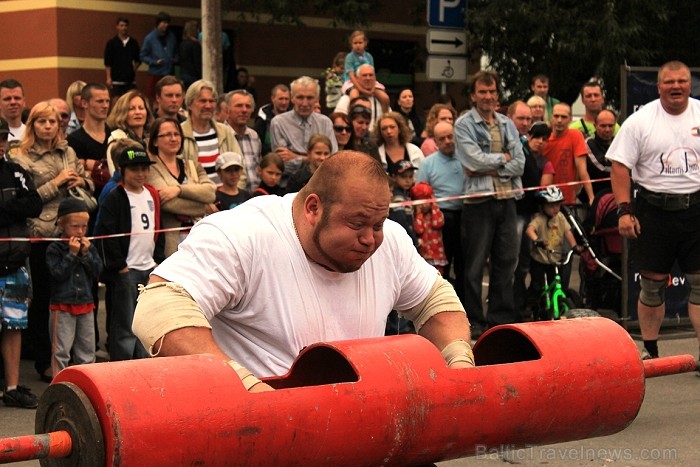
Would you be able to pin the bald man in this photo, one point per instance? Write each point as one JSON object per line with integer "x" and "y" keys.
{"x": 237, "y": 293}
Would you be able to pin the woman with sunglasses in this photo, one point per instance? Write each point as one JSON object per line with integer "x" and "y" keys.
{"x": 341, "y": 128}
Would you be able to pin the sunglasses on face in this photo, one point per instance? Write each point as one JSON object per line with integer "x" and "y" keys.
{"x": 340, "y": 128}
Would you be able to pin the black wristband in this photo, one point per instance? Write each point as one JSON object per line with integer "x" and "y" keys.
{"x": 623, "y": 209}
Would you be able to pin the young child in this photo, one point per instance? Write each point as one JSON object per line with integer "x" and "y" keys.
{"x": 132, "y": 207}
{"x": 402, "y": 177}
{"x": 270, "y": 172}
{"x": 356, "y": 57}
{"x": 428, "y": 221}
{"x": 334, "y": 81}
{"x": 547, "y": 230}
{"x": 73, "y": 264}
{"x": 319, "y": 148}
{"x": 229, "y": 167}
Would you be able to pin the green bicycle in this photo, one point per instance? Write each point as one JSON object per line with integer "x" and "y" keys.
{"x": 557, "y": 302}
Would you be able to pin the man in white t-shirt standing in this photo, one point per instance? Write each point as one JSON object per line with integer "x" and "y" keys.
{"x": 11, "y": 107}
{"x": 660, "y": 145}
{"x": 324, "y": 264}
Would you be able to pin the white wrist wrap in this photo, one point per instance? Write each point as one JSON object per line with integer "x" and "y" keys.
{"x": 246, "y": 376}
{"x": 458, "y": 351}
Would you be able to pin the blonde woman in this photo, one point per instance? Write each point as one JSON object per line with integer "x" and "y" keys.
{"x": 130, "y": 118}
{"x": 54, "y": 167}
{"x": 183, "y": 185}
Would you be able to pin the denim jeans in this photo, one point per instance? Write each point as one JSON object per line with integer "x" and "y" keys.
{"x": 489, "y": 232}
{"x": 123, "y": 344}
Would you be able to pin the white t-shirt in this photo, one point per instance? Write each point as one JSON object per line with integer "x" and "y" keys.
{"x": 16, "y": 133}
{"x": 662, "y": 150}
{"x": 266, "y": 301}
{"x": 141, "y": 244}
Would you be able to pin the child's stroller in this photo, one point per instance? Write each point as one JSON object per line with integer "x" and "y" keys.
{"x": 599, "y": 233}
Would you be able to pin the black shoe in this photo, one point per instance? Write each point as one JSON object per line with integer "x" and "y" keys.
{"x": 20, "y": 397}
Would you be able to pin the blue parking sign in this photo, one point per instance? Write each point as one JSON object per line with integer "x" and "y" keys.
{"x": 447, "y": 13}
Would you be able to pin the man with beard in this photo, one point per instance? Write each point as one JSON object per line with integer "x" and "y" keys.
{"x": 303, "y": 270}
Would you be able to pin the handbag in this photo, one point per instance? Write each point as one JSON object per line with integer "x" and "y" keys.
{"x": 82, "y": 194}
{"x": 100, "y": 173}
{"x": 78, "y": 192}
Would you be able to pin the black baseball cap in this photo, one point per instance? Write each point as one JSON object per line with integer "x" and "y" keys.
{"x": 4, "y": 129}
{"x": 133, "y": 156}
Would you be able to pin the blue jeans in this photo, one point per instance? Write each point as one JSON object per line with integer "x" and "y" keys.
{"x": 123, "y": 344}
{"x": 489, "y": 231}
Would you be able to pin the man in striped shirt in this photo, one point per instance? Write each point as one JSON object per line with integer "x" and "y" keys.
{"x": 205, "y": 138}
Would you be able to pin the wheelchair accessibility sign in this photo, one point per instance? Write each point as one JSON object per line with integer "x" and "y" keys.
{"x": 446, "y": 68}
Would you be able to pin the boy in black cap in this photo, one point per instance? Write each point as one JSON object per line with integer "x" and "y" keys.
{"x": 402, "y": 177}
{"x": 74, "y": 265}
{"x": 19, "y": 200}
{"x": 133, "y": 207}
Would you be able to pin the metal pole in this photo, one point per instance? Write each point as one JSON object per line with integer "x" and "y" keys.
{"x": 57, "y": 444}
{"x": 212, "y": 61}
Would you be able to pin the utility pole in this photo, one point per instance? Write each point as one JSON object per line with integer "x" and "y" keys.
{"x": 212, "y": 60}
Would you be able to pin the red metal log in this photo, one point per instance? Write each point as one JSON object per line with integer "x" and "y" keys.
{"x": 374, "y": 401}
{"x": 385, "y": 401}
{"x": 23, "y": 448}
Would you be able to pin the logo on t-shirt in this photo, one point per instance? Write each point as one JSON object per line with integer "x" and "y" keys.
{"x": 679, "y": 161}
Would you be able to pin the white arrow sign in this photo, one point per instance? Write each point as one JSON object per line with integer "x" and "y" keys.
{"x": 447, "y": 42}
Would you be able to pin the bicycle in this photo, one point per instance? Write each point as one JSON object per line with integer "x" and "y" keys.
{"x": 556, "y": 302}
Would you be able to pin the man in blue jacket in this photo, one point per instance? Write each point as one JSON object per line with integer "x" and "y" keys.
{"x": 488, "y": 146}
{"x": 158, "y": 52}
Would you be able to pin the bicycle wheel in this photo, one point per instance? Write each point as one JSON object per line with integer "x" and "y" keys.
{"x": 581, "y": 313}
{"x": 564, "y": 304}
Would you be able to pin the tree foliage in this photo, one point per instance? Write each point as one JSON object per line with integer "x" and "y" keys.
{"x": 344, "y": 12}
{"x": 570, "y": 41}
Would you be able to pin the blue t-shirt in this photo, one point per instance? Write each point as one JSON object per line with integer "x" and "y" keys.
{"x": 353, "y": 60}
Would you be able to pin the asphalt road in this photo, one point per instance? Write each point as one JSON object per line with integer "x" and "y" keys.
{"x": 664, "y": 432}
